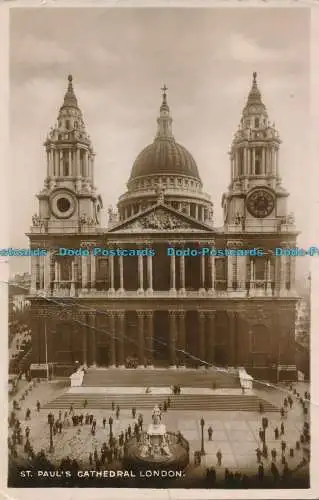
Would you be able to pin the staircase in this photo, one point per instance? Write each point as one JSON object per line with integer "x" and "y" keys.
{"x": 180, "y": 402}
{"x": 114, "y": 377}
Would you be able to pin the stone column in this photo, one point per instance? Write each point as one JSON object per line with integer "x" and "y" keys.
{"x": 73, "y": 278}
{"x": 202, "y": 339}
{"x": 277, "y": 162}
{"x": 292, "y": 277}
{"x": 91, "y": 319}
{"x": 254, "y": 161}
{"x": 230, "y": 273}
{"x": 173, "y": 275}
{"x": 212, "y": 273}
{"x": 202, "y": 274}
{"x": 71, "y": 173}
{"x": 78, "y": 163}
{"x": 149, "y": 274}
{"x": 84, "y": 340}
{"x": 182, "y": 274}
{"x": 181, "y": 338}
{"x": 245, "y": 162}
{"x": 196, "y": 211}
{"x": 93, "y": 271}
{"x": 252, "y": 284}
{"x": 140, "y": 331}
{"x": 84, "y": 265}
{"x": 268, "y": 275}
{"x": 47, "y": 271}
{"x": 56, "y": 274}
{"x": 211, "y": 337}
{"x": 232, "y": 339}
{"x": 111, "y": 267}
{"x": 140, "y": 274}
{"x": 263, "y": 161}
{"x": 149, "y": 337}
{"x": 249, "y": 161}
{"x": 172, "y": 338}
{"x": 282, "y": 273}
{"x": 33, "y": 273}
{"x": 241, "y": 272}
{"x": 121, "y": 356}
{"x": 112, "y": 344}
{"x": 121, "y": 268}
{"x": 41, "y": 273}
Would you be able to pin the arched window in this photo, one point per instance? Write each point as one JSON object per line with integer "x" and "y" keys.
{"x": 258, "y": 161}
{"x": 66, "y": 165}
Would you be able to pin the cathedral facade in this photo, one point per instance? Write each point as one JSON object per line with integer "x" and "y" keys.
{"x": 142, "y": 288}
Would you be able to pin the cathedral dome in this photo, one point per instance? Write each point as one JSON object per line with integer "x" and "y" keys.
{"x": 164, "y": 156}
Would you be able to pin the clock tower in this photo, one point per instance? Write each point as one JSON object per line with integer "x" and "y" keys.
{"x": 256, "y": 200}
{"x": 69, "y": 199}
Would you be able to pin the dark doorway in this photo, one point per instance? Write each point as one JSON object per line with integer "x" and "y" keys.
{"x": 102, "y": 356}
{"x": 161, "y": 338}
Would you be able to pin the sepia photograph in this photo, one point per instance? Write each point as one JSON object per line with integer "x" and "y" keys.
{"x": 160, "y": 248}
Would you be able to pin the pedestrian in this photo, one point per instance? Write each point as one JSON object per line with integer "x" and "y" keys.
{"x": 117, "y": 412}
{"x": 282, "y": 429}
{"x": 133, "y": 412}
{"x": 283, "y": 446}
{"x": 129, "y": 431}
{"x": 38, "y": 406}
{"x": 165, "y": 406}
{"x": 85, "y": 403}
{"x": 276, "y": 433}
{"x": 168, "y": 402}
{"x": 282, "y": 412}
{"x": 273, "y": 454}
{"x": 210, "y": 433}
{"x": 261, "y": 472}
{"x": 286, "y": 403}
{"x": 265, "y": 450}
{"x": 258, "y": 455}
{"x": 219, "y": 457}
{"x": 104, "y": 422}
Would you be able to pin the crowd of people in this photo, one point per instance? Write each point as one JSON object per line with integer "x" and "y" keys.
{"x": 109, "y": 452}
{"x": 270, "y": 458}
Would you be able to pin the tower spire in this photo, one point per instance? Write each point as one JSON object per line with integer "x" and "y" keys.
{"x": 164, "y": 121}
{"x": 70, "y": 99}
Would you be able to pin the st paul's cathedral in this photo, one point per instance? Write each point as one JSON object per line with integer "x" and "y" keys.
{"x": 160, "y": 309}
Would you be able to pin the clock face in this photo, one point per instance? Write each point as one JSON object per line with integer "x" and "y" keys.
{"x": 62, "y": 204}
{"x": 260, "y": 203}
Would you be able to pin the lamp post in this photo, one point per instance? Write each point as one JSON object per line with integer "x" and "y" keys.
{"x": 51, "y": 422}
{"x": 202, "y": 424}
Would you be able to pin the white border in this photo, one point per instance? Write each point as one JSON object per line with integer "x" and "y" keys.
{"x": 101, "y": 493}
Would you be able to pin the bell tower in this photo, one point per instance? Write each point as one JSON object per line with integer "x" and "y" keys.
{"x": 69, "y": 198}
{"x": 255, "y": 197}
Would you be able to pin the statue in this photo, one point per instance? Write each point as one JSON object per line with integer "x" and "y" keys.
{"x": 156, "y": 415}
{"x": 36, "y": 220}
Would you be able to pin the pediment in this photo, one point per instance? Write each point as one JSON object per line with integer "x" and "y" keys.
{"x": 160, "y": 218}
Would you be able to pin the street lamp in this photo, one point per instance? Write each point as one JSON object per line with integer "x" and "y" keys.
{"x": 51, "y": 422}
{"x": 202, "y": 423}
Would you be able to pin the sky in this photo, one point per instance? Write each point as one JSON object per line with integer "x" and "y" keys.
{"x": 120, "y": 58}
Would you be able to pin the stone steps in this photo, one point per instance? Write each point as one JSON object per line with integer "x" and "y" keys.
{"x": 181, "y": 402}
{"x": 158, "y": 378}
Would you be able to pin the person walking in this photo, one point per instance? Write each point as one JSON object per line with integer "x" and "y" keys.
{"x": 261, "y": 472}
{"x": 219, "y": 457}
{"x": 210, "y": 433}
{"x": 258, "y": 455}
{"x": 282, "y": 429}
{"x": 276, "y": 431}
